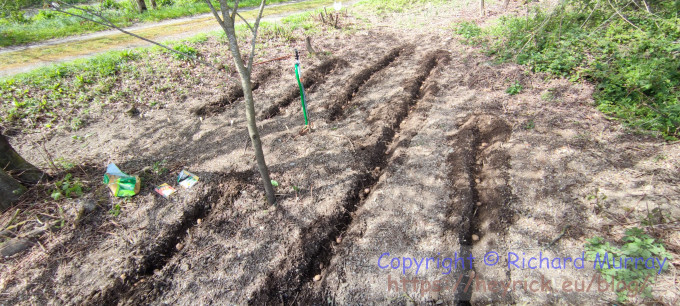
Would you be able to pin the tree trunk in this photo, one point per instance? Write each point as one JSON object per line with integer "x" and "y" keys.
{"x": 141, "y": 6}
{"x": 153, "y": 4}
{"x": 10, "y": 190}
{"x": 482, "y": 11}
{"x": 505, "y": 5}
{"x": 16, "y": 166}
{"x": 250, "y": 109}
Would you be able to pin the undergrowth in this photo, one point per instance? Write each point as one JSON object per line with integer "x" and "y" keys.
{"x": 634, "y": 62}
{"x": 636, "y": 245}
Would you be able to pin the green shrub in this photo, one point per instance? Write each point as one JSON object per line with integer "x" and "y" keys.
{"x": 636, "y": 245}
{"x": 635, "y": 68}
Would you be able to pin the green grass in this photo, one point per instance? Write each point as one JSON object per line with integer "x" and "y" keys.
{"x": 48, "y": 24}
{"x": 635, "y": 68}
{"x": 394, "y": 6}
{"x": 61, "y": 95}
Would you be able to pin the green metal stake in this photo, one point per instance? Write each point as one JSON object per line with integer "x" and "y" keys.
{"x": 302, "y": 89}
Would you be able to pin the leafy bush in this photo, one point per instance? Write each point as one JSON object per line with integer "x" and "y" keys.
{"x": 109, "y": 4}
{"x": 635, "y": 67}
{"x": 636, "y": 245}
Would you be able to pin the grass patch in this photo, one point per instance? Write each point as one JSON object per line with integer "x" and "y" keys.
{"x": 394, "y": 6}
{"x": 48, "y": 24}
{"x": 55, "y": 52}
{"x": 635, "y": 66}
{"x": 62, "y": 95}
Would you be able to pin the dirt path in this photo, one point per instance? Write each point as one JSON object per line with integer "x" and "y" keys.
{"x": 19, "y": 59}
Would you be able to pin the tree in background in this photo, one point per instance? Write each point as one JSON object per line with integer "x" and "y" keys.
{"x": 141, "y": 6}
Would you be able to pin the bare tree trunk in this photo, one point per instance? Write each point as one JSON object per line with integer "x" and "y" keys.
{"x": 141, "y": 6}
{"x": 153, "y": 4}
{"x": 13, "y": 164}
{"x": 10, "y": 190}
{"x": 482, "y": 11}
{"x": 227, "y": 23}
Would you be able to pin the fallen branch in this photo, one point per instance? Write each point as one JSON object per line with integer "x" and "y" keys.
{"x": 273, "y": 59}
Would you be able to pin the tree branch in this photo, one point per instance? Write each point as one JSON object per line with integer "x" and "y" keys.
{"x": 246, "y": 21}
{"x": 108, "y": 23}
{"x": 624, "y": 17}
{"x": 216, "y": 15}
{"x": 257, "y": 25}
{"x": 224, "y": 7}
{"x": 233, "y": 16}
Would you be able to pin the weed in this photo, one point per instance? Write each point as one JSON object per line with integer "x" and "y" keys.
{"x": 68, "y": 187}
{"x": 598, "y": 197}
{"x": 76, "y": 124}
{"x": 469, "y": 30}
{"x": 184, "y": 49}
{"x": 530, "y": 125}
{"x": 159, "y": 168}
{"x": 115, "y": 210}
{"x": 514, "y": 89}
{"x": 659, "y": 158}
{"x": 636, "y": 244}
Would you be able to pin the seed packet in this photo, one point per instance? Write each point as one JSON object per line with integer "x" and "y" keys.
{"x": 165, "y": 190}
{"x": 187, "y": 179}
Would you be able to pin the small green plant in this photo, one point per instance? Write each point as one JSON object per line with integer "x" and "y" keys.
{"x": 159, "y": 168}
{"x": 468, "y": 30}
{"x": 530, "y": 125}
{"x": 275, "y": 183}
{"x": 514, "y": 89}
{"x": 115, "y": 210}
{"x": 636, "y": 244}
{"x": 184, "y": 49}
{"x": 68, "y": 187}
{"x": 76, "y": 124}
{"x": 598, "y": 197}
{"x": 659, "y": 158}
{"x": 64, "y": 163}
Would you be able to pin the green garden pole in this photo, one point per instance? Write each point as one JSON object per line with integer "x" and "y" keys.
{"x": 302, "y": 89}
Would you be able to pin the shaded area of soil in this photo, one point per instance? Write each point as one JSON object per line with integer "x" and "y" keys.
{"x": 315, "y": 76}
{"x": 479, "y": 172}
{"x": 234, "y": 93}
{"x": 358, "y": 80}
{"x": 373, "y": 155}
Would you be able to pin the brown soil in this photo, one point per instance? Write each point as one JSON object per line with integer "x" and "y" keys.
{"x": 415, "y": 150}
